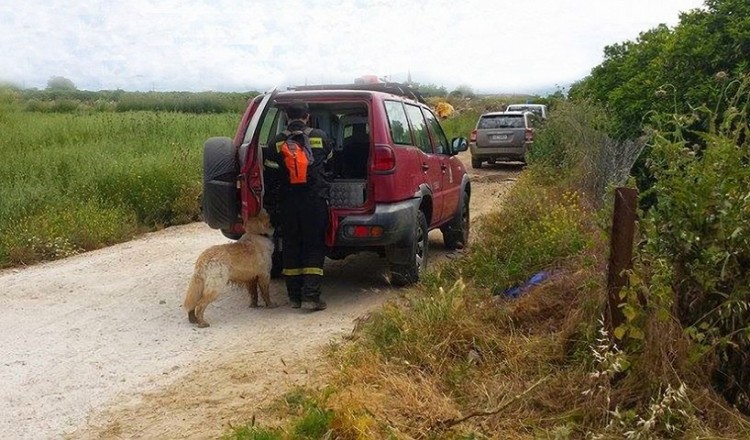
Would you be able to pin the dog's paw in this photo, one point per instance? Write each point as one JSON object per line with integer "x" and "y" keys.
{"x": 271, "y": 305}
{"x": 253, "y": 305}
{"x": 203, "y": 324}
{"x": 192, "y": 318}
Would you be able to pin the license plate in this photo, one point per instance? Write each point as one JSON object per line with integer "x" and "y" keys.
{"x": 499, "y": 137}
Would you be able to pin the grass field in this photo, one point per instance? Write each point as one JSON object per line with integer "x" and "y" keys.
{"x": 79, "y": 181}
{"x": 83, "y": 179}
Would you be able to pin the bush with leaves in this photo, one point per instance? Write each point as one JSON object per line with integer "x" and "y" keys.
{"x": 700, "y": 229}
{"x": 574, "y": 148}
{"x": 708, "y": 41}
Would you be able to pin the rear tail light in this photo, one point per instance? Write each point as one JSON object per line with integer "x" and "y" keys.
{"x": 529, "y": 135}
{"x": 384, "y": 160}
{"x": 473, "y": 136}
{"x": 362, "y": 231}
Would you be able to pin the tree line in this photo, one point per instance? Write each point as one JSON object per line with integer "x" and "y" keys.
{"x": 62, "y": 96}
{"x": 701, "y": 61}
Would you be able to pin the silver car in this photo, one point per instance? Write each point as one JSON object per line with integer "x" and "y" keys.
{"x": 501, "y": 136}
{"x": 538, "y": 109}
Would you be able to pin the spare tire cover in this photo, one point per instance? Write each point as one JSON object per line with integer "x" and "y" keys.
{"x": 221, "y": 204}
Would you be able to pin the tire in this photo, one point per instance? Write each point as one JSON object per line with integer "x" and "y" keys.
{"x": 220, "y": 198}
{"x": 476, "y": 163}
{"x": 408, "y": 273}
{"x": 456, "y": 233}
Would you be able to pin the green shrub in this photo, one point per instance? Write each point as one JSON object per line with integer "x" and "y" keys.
{"x": 309, "y": 419}
{"x": 699, "y": 230}
{"x": 573, "y": 147}
{"x": 686, "y": 65}
{"x": 77, "y": 181}
{"x": 61, "y": 231}
{"x": 254, "y": 433}
{"x": 314, "y": 424}
{"x": 64, "y": 106}
{"x": 535, "y": 228}
{"x": 184, "y": 102}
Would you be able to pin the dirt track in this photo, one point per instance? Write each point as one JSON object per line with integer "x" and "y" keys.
{"x": 97, "y": 345}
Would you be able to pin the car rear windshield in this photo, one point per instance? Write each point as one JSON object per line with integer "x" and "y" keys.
{"x": 525, "y": 108}
{"x": 501, "y": 121}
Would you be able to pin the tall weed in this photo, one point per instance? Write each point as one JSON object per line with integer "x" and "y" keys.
{"x": 699, "y": 232}
{"x": 536, "y": 228}
{"x": 574, "y": 149}
{"x": 73, "y": 182}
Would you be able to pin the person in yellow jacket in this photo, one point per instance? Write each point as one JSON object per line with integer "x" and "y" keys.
{"x": 444, "y": 109}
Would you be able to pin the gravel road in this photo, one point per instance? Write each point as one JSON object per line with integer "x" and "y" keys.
{"x": 98, "y": 346}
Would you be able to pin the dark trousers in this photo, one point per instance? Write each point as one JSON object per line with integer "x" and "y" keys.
{"x": 304, "y": 223}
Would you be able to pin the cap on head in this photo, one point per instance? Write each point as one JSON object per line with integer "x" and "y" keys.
{"x": 297, "y": 110}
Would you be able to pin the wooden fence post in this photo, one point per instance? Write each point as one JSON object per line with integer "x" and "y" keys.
{"x": 621, "y": 254}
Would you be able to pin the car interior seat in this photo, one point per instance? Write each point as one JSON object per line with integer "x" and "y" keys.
{"x": 355, "y": 152}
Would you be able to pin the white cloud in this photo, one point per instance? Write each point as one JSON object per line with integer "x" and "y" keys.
{"x": 232, "y": 45}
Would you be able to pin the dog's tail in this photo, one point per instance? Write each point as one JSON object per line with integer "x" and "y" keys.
{"x": 194, "y": 294}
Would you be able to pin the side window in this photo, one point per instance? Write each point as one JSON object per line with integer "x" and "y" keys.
{"x": 438, "y": 136}
{"x": 398, "y": 123}
{"x": 267, "y": 128}
{"x": 418, "y": 124}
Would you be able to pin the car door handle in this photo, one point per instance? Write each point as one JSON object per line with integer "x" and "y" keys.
{"x": 425, "y": 167}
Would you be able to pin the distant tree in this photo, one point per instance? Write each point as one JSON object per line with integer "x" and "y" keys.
{"x": 60, "y": 83}
{"x": 463, "y": 91}
{"x": 428, "y": 90}
{"x": 673, "y": 70}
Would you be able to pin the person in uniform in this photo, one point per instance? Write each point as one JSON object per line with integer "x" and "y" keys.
{"x": 303, "y": 205}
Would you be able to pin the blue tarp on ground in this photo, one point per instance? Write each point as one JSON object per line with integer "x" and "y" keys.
{"x": 516, "y": 291}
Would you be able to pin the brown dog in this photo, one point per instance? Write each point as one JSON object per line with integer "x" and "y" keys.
{"x": 246, "y": 261}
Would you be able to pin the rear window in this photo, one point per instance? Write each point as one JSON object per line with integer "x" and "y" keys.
{"x": 525, "y": 108}
{"x": 501, "y": 121}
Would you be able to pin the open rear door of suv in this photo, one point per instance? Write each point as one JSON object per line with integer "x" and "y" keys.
{"x": 251, "y": 156}
{"x": 233, "y": 173}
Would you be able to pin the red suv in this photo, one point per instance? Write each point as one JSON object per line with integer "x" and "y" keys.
{"x": 394, "y": 174}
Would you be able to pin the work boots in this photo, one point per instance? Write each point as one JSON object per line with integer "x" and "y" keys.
{"x": 317, "y": 305}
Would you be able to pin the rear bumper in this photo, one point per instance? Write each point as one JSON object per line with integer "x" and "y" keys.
{"x": 499, "y": 152}
{"x": 396, "y": 219}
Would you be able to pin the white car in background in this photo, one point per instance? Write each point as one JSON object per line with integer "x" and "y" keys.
{"x": 538, "y": 109}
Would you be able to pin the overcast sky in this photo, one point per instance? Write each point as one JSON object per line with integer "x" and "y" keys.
{"x": 229, "y": 45}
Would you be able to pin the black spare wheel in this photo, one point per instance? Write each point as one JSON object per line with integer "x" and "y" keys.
{"x": 221, "y": 203}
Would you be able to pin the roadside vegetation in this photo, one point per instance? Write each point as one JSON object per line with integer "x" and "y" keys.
{"x": 459, "y": 357}
{"x": 463, "y": 356}
{"x": 81, "y": 180}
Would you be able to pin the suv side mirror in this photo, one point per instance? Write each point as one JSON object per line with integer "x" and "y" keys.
{"x": 459, "y": 144}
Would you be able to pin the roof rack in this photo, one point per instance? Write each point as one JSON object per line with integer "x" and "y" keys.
{"x": 388, "y": 87}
